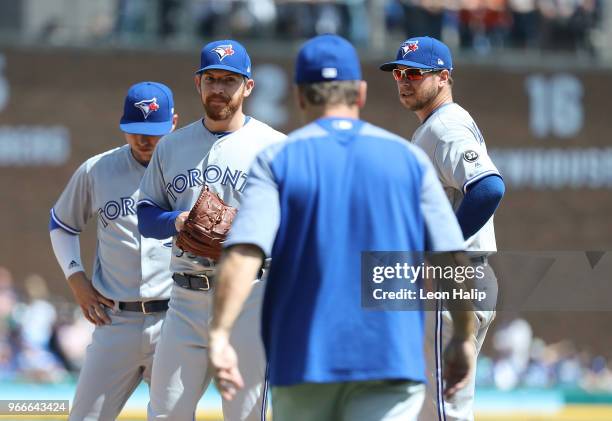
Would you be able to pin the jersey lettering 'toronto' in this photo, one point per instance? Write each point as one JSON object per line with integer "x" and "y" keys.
{"x": 114, "y": 209}
{"x": 236, "y": 179}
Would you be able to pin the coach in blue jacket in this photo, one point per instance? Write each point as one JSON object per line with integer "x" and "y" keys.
{"x": 336, "y": 188}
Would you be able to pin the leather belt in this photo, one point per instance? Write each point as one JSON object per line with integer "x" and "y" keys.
{"x": 197, "y": 282}
{"x": 145, "y": 307}
{"x": 480, "y": 259}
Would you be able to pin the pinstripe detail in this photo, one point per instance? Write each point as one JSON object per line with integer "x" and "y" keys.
{"x": 264, "y": 398}
{"x": 441, "y": 350}
{"x": 437, "y": 362}
{"x": 438, "y": 370}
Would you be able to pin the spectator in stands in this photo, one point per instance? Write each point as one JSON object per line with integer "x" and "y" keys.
{"x": 8, "y": 299}
{"x": 567, "y": 24}
{"x": 424, "y": 17}
{"x": 525, "y": 28}
{"x": 483, "y": 24}
{"x": 36, "y": 319}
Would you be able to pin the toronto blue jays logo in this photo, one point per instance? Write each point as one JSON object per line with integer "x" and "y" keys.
{"x": 409, "y": 47}
{"x": 147, "y": 106}
{"x": 224, "y": 51}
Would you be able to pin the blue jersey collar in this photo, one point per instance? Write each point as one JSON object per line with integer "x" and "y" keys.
{"x": 219, "y": 135}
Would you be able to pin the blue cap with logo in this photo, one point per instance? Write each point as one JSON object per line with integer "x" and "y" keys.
{"x": 148, "y": 109}
{"x": 326, "y": 58}
{"x": 227, "y": 55}
{"x": 422, "y": 53}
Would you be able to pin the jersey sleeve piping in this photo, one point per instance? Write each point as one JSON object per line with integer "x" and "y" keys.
{"x": 63, "y": 225}
{"x": 148, "y": 202}
{"x": 478, "y": 177}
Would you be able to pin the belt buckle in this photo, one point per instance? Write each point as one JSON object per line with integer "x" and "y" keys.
{"x": 207, "y": 283}
{"x": 144, "y": 309}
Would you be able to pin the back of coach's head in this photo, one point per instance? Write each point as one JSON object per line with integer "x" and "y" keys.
{"x": 328, "y": 76}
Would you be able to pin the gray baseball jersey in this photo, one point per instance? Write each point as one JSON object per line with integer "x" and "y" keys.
{"x": 182, "y": 162}
{"x": 191, "y": 156}
{"x": 457, "y": 149}
{"x": 127, "y": 266}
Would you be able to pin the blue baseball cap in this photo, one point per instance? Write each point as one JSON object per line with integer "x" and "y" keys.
{"x": 325, "y": 58}
{"x": 422, "y": 53}
{"x": 227, "y": 55}
{"x": 148, "y": 109}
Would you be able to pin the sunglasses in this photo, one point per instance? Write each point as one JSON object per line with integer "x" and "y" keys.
{"x": 412, "y": 73}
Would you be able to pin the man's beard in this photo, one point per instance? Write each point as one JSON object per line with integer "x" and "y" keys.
{"x": 218, "y": 111}
{"x": 423, "y": 99}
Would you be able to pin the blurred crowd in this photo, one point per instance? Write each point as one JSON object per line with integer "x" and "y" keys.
{"x": 42, "y": 337}
{"x": 521, "y": 359}
{"x": 480, "y": 25}
{"x": 483, "y": 25}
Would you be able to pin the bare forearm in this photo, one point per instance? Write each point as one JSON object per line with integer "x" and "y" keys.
{"x": 463, "y": 323}
{"x": 77, "y": 278}
{"x": 237, "y": 270}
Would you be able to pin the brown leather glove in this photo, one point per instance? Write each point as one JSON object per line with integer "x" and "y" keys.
{"x": 207, "y": 226}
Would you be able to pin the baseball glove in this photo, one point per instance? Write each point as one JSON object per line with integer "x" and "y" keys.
{"x": 207, "y": 226}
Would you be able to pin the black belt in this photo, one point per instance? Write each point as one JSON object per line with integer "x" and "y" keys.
{"x": 479, "y": 259}
{"x": 198, "y": 282}
{"x": 145, "y": 307}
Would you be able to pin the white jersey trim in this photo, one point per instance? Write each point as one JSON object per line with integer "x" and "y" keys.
{"x": 478, "y": 177}
{"x": 148, "y": 202}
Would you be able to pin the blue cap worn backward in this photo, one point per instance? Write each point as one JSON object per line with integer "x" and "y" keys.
{"x": 422, "y": 53}
{"x": 148, "y": 109}
{"x": 227, "y": 55}
{"x": 326, "y": 58}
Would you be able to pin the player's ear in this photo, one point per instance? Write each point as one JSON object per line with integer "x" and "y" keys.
{"x": 174, "y": 122}
{"x": 444, "y": 77}
{"x": 248, "y": 87}
{"x": 363, "y": 93}
{"x": 299, "y": 98}
{"x": 198, "y": 80}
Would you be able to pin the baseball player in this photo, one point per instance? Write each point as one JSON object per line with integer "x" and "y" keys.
{"x": 215, "y": 151}
{"x": 453, "y": 142}
{"x": 128, "y": 293}
{"x": 317, "y": 200}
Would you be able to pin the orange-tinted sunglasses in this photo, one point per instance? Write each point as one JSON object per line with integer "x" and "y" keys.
{"x": 411, "y": 73}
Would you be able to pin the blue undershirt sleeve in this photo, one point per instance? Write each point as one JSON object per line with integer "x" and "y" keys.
{"x": 479, "y": 204}
{"x": 155, "y": 222}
